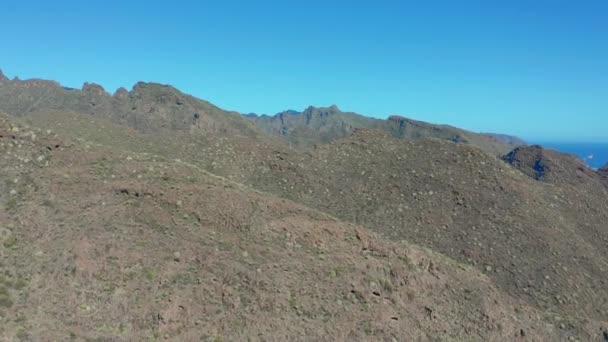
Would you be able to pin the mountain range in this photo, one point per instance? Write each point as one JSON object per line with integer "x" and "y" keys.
{"x": 325, "y": 124}
{"x": 151, "y": 214}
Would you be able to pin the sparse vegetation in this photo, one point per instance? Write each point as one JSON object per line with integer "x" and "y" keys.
{"x": 5, "y": 300}
{"x": 278, "y": 241}
{"x": 11, "y": 204}
{"x": 10, "y": 242}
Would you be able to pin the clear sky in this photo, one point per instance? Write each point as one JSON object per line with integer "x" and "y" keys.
{"x": 535, "y": 68}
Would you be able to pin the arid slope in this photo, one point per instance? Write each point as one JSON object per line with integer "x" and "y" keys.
{"x": 101, "y": 243}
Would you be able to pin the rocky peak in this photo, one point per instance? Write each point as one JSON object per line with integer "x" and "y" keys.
{"x": 321, "y": 111}
{"x": 334, "y": 108}
{"x": 121, "y": 93}
{"x": 142, "y": 86}
{"x": 93, "y": 88}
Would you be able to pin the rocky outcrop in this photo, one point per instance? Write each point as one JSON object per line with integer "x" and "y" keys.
{"x": 121, "y": 93}
{"x": 93, "y": 88}
{"x": 550, "y": 166}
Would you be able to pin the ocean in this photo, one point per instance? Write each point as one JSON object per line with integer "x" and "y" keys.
{"x": 594, "y": 154}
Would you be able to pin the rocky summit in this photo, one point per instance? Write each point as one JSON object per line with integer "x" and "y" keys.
{"x": 149, "y": 214}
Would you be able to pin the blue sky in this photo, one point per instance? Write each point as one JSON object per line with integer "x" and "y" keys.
{"x": 538, "y": 69}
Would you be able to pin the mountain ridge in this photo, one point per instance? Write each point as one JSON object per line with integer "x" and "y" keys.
{"x": 152, "y": 107}
{"x": 325, "y": 124}
{"x": 148, "y": 106}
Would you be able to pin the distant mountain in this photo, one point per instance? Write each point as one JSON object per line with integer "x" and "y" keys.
{"x": 148, "y": 107}
{"x": 256, "y": 116}
{"x": 506, "y": 139}
{"x": 250, "y": 116}
{"x": 325, "y": 124}
{"x": 154, "y": 107}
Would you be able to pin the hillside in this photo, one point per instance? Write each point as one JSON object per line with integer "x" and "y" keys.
{"x": 323, "y": 125}
{"x": 106, "y": 244}
{"x": 603, "y": 172}
{"x": 537, "y": 241}
{"x": 461, "y": 202}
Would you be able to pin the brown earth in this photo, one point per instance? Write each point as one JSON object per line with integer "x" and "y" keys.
{"x": 538, "y": 242}
{"x": 104, "y": 244}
